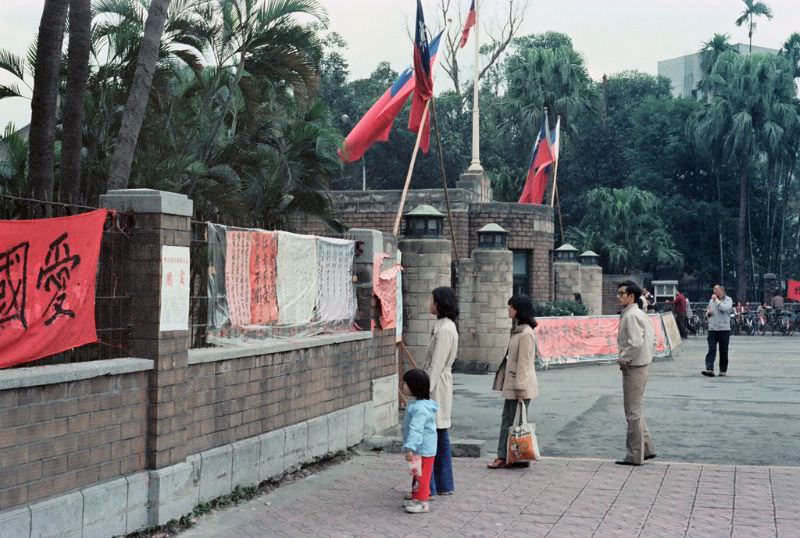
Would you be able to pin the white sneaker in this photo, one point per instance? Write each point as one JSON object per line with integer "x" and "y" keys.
{"x": 417, "y": 507}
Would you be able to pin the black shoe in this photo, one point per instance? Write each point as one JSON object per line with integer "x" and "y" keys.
{"x": 650, "y": 457}
{"x": 624, "y": 462}
{"x": 722, "y": 374}
{"x": 708, "y": 373}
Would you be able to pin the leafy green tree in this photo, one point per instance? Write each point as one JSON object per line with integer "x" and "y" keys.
{"x": 623, "y": 226}
{"x": 791, "y": 50}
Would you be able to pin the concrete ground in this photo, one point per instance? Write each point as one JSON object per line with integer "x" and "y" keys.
{"x": 728, "y": 463}
{"x": 554, "y": 498}
{"x": 747, "y": 418}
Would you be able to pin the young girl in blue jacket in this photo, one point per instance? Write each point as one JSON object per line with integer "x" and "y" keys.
{"x": 419, "y": 437}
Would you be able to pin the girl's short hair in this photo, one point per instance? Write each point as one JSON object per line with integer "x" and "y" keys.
{"x": 418, "y": 383}
{"x": 524, "y": 307}
{"x": 446, "y": 302}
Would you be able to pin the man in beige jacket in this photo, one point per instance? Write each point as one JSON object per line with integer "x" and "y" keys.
{"x": 635, "y": 343}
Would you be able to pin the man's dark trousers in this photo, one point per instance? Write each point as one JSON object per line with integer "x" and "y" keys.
{"x": 722, "y": 338}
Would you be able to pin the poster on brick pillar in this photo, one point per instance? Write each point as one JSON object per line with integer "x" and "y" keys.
{"x": 174, "y": 311}
{"x": 581, "y": 339}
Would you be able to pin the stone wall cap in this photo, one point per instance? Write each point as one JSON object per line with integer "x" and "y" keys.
{"x": 34, "y": 376}
{"x": 492, "y": 228}
{"x": 589, "y": 253}
{"x": 566, "y": 247}
{"x": 425, "y": 210}
{"x": 148, "y": 201}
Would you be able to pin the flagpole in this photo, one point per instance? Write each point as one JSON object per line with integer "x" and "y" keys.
{"x": 396, "y": 229}
{"x": 475, "y": 165}
{"x": 555, "y": 184}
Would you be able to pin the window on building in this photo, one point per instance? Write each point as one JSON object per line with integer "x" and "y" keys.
{"x": 522, "y": 275}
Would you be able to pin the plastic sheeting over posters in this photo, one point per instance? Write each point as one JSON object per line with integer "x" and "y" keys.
{"x": 48, "y": 271}
{"x": 272, "y": 284}
{"x": 581, "y": 339}
{"x": 336, "y": 298}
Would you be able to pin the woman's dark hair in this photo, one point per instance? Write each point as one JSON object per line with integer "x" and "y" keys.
{"x": 418, "y": 383}
{"x": 446, "y": 302}
{"x": 524, "y": 307}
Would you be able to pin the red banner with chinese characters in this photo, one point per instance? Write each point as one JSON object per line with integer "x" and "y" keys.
{"x": 793, "y": 290}
{"x": 48, "y": 269}
{"x": 570, "y": 340}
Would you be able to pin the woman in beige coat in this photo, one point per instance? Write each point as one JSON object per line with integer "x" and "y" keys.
{"x": 516, "y": 377}
{"x": 441, "y": 354}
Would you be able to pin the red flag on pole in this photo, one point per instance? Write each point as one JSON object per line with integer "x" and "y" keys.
{"x": 47, "y": 285}
{"x": 468, "y": 24}
{"x": 423, "y": 85}
{"x": 541, "y": 158}
{"x": 376, "y": 124}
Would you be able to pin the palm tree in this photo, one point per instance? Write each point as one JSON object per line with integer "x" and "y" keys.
{"x": 751, "y": 118}
{"x": 80, "y": 44}
{"x": 791, "y": 50}
{"x": 752, "y": 10}
{"x": 44, "y": 99}
{"x": 133, "y": 115}
{"x": 712, "y": 49}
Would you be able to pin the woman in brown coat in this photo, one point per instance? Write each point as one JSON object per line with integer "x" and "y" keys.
{"x": 516, "y": 377}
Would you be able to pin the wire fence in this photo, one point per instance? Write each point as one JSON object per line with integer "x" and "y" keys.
{"x": 112, "y": 306}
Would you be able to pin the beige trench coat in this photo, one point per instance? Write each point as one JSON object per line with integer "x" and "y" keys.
{"x": 440, "y": 356}
{"x": 516, "y": 377}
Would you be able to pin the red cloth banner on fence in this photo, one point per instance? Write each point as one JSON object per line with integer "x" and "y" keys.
{"x": 570, "y": 340}
{"x": 48, "y": 269}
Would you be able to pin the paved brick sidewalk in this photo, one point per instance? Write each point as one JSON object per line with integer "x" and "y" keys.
{"x": 554, "y": 498}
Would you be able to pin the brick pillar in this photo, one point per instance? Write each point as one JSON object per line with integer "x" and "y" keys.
{"x": 567, "y": 280}
{"x": 162, "y": 219}
{"x": 592, "y": 288}
{"x": 484, "y": 286}
{"x": 426, "y": 265}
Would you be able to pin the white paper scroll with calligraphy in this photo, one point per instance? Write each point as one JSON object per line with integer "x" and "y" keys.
{"x": 297, "y": 278}
{"x": 237, "y": 276}
{"x": 174, "y": 288}
{"x": 336, "y": 299}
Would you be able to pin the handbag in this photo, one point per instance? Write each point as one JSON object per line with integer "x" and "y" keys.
{"x": 522, "y": 442}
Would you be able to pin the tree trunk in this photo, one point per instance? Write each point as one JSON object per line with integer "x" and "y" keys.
{"x": 80, "y": 42}
{"x": 44, "y": 101}
{"x": 135, "y": 108}
{"x": 741, "y": 254}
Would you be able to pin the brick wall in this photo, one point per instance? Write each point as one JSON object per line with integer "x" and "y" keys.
{"x": 59, "y": 437}
{"x": 238, "y": 398}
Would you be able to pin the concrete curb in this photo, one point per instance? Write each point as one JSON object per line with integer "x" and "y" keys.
{"x": 391, "y": 444}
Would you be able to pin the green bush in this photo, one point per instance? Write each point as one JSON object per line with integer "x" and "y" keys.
{"x": 559, "y": 308}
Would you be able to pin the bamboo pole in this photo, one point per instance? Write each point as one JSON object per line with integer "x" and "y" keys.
{"x": 396, "y": 229}
{"x": 555, "y": 185}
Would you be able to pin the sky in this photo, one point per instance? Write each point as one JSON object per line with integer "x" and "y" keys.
{"x": 612, "y": 35}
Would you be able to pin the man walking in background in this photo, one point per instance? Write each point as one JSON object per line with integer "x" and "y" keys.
{"x": 681, "y": 312}
{"x": 719, "y": 330}
{"x": 635, "y": 343}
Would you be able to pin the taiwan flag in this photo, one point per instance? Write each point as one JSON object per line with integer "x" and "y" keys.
{"x": 376, "y": 124}
{"x": 541, "y": 158}
{"x": 423, "y": 86}
{"x": 470, "y": 22}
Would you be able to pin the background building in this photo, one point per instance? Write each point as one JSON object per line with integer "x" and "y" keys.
{"x": 686, "y": 72}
